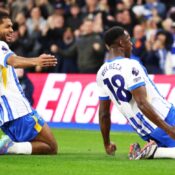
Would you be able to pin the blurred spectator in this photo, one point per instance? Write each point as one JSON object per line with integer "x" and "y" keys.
{"x": 20, "y": 18}
{"x": 170, "y": 61}
{"x": 36, "y": 26}
{"x": 170, "y": 3}
{"x": 30, "y": 4}
{"x": 151, "y": 29}
{"x": 45, "y": 7}
{"x": 91, "y": 8}
{"x": 36, "y": 23}
{"x": 98, "y": 24}
{"x": 104, "y": 6}
{"x": 124, "y": 16}
{"x": 167, "y": 24}
{"x": 48, "y": 22}
{"x": 59, "y": 7}
{"x": 22, "y": 43}
{"x": 139, "y": 39}
{"x": 75, "y": 19}
{"x": 52, "y": 39}
{"x": 155, "y": 5}
{"x": 69, "y": 64}
{"x": 120, "y": 5}
{"x": 150, "y": 8}
{"x": 158, "y": 52}
{"x": 2, "y": 5}
{"x": 128, "y": 21}
{"x": 89, "y": 49}
{"x": 17, "y": 6}
{"x": 171, "y": 13}
{"x": 173, "y": 33}
{"x": 26, "y": 84}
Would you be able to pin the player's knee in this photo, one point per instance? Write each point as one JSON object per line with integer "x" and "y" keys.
{"x": 54, "y": 147}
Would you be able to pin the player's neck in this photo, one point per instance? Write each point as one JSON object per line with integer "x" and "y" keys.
{"x": 116, "y": 53}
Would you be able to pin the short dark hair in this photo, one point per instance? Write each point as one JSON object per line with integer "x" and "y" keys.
{"x": 3, "y": 14}
{"x": 112, "y": 34}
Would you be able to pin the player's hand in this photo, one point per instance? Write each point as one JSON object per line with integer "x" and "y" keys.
{"x": 110, "y": 148}
{"x": 96, "y": 46}
{"x": 46, "y": 60}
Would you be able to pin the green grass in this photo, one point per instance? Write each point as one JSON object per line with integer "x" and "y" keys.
{"x": 82, "y": 153}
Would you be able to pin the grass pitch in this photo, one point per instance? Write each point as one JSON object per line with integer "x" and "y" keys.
{"x": 81, "y": 152}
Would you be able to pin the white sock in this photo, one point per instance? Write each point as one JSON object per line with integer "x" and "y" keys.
{"x": 162, "y": 152}
{"x": 20, "y": 148}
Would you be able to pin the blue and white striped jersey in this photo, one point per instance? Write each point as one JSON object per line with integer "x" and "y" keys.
{"x": 13, "y": 103}
{"x": 115, "y": 80}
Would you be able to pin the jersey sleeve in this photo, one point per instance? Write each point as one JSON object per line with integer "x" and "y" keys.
{"x": 134, "y": 75}
{"x": 101, "y": 91}
{"x": 5, "y": 53}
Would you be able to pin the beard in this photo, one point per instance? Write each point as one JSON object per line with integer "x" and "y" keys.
{"x": 9, "y": 38}
{"x": 6, "y": 37}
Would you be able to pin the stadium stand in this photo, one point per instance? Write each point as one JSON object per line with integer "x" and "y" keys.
{"x": 43, "y": 24}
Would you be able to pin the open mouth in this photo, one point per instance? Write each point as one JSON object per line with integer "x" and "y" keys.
{"x": 9, "y": 37}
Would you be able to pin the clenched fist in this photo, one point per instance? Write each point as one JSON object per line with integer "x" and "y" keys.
{"x": 110, "y": 148}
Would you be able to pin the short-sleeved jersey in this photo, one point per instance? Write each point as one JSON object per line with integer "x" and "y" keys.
{"x": 13, "y": 103}
{"x": 117, "y": 78}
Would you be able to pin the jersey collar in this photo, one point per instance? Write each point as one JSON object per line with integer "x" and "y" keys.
{"x": 115, "y": 58}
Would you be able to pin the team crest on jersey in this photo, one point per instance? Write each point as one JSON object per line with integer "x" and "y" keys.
{"x": 135, "y": 71}
{"x": 4, "y": 49}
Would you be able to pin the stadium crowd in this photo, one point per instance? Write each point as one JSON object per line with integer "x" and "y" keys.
{"x": 72, "y": 30}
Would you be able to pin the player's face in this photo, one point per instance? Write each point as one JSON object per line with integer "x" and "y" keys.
{"x": 6, "y": 30}
{"x": 128, "y": 45}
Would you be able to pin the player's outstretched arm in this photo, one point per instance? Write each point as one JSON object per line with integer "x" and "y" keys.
{"x": 140, "y": 96}
{"x": 105, "y": 124}
{"x": 44, "y": 60}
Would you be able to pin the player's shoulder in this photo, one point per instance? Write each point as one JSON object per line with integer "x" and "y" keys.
{"x": 129, "y": 66}
{"x": 130, "y": 62}
{"x": 3, "y": 43}
{"x": 99, "y": 72}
